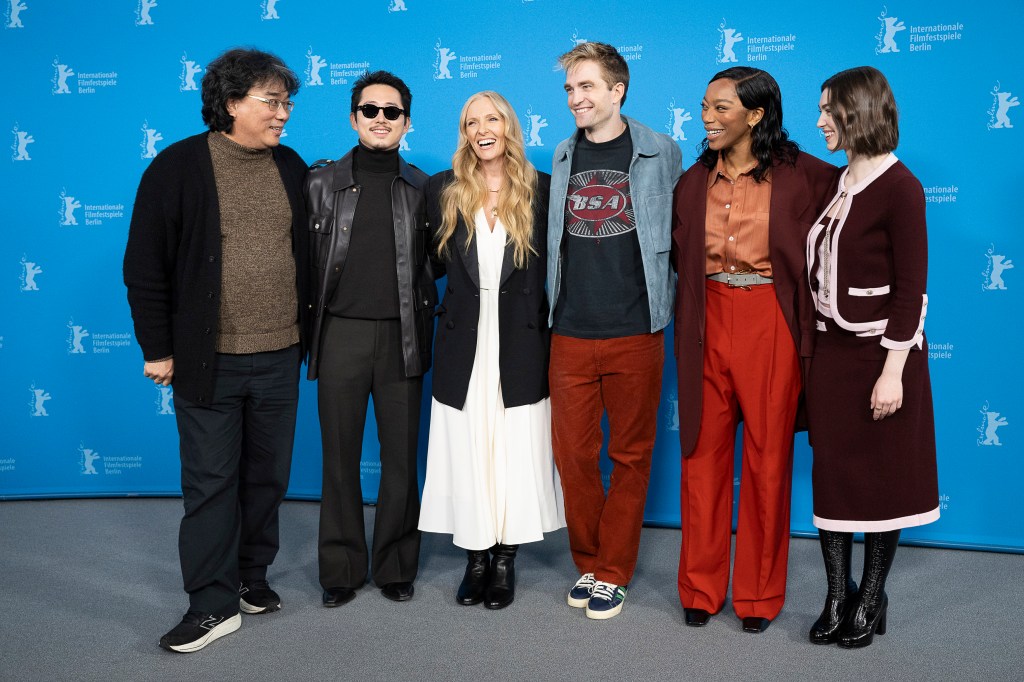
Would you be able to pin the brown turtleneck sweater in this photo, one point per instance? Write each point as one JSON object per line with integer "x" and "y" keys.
{"x": 259, "y": 304}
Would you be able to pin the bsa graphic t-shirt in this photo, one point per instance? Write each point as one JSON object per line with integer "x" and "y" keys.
{"x": 603, "y": 293}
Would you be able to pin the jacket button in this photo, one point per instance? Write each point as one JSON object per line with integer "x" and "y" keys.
{"x": 504, "y": 291}
{"x": 206, "y": 331}
{"x": 700, "y": 342}
{"x": 426, "y": 301}
{"x": 202, "y": 399}
{"x": 209, "y": 294}
{"x": 526, "y": 290}
{"x": 337, "y": 269}
{"x": 450, "y": 325}
{"x": 212, "y": 258}
{"x": 203, "y": 365}
{"x": 316, "y": 226}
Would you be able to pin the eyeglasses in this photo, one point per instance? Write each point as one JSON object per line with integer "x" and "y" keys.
{"x": 276, "y": 104}
{"x": 391, "y": 113}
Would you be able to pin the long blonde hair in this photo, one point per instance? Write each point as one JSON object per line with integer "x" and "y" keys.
{"x": 467, "y": 193}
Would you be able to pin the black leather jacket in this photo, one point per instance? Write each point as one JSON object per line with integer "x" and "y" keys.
{"x": 331, "y": 196}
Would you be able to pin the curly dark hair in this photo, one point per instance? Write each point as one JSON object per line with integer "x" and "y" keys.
{"x": 382, "y": 78}
{"x": 231, "y": 75}
{"x": 771, "y": 143}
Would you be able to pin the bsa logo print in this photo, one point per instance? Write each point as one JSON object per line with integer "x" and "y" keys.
{"x": 397, "y": 6}
{"x": 886, "y": 38}
{"x": 269, "y": 10}
{"x": 576, "y": 40}
{"x": 87, "y": 458}
{"x": 142, "y": 17}
{"x": 189, "y": 70}
{"x": 677, "y": 117}
{"x": 726, "y": 44}
{"x": 444, "y": 57}
{"x": 29, "y": 270}
{"x": 993, "y": 272}
{"x": 149, "y": 139}
{"x": 38, "y": 401}
{"x": 76, "y": 334}
{"x": 164, "y": 400}
{"x": 990, "y": 423}
{"x": 14, "y": 10}
{"x": 598, "y": 204}
{"x": 21, "y": 142}
{"x": 533, "y": 128}
{"x": 61, "y": 73}
{"x": 68, "y": 206}
{"x": 314, "y": 63}
{"x": 999, "y": 113}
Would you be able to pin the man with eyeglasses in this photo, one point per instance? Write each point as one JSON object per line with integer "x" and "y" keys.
{"x": 371, "y": 328}
{"x": 216, "y": 267}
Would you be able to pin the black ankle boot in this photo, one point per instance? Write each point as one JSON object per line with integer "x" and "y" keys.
{"x": 501, "y": 586}
{"x": 836, "y": 548}
{"x": 868, "y": 616}
{"x": 471, "y": 591}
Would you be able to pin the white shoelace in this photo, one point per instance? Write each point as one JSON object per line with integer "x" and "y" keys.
{"x": 603, "y": 590}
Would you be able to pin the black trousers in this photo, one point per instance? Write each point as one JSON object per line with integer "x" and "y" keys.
{"x": 359, "y": 359}
{"x": 236, "y": 455}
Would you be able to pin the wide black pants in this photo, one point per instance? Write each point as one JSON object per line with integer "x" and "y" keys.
{"x": 236, "y": 454}
{"x": 360, "y": 358}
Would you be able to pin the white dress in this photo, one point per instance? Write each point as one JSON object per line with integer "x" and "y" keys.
{"x": 491, "y": 476}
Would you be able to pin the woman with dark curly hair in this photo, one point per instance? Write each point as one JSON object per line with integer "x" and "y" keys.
{"x": 869, "y": 398}
{"x": 741, "y": 215}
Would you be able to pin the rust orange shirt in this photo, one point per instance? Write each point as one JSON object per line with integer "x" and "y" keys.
{"x": 736, "y": 224}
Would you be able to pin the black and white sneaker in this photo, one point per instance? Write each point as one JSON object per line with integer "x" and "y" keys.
{"x": 196, "y": 630}
{"x": 255, "y": 596}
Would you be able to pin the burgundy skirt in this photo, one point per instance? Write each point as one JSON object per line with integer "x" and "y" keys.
{"x": 869, "y": 476}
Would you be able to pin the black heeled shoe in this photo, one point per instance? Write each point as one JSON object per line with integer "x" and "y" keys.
{"x": 471, "y": 590}
{"x": 501, "y": 585}
{"x": 826, "y": 629}
{"x": 860, "y": 626}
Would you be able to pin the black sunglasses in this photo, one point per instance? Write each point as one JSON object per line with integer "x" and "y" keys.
{"x": 391, "y": 113}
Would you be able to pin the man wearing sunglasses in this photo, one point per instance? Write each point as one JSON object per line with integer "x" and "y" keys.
{"x": 216, "y": 271}
{"x": 373, "y": 301}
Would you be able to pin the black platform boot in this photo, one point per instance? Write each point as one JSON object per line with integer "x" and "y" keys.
{"x": 868, "y": 615}
{"x": 471, "y": 591}
{"x": 836, "y": 548}
{"x": 501, "y": 586}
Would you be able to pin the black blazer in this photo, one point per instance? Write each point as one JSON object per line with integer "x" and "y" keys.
{"x": 525, "y": 338}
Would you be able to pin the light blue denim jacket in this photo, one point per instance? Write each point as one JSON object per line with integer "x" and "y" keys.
{"x": 653, "y": 172}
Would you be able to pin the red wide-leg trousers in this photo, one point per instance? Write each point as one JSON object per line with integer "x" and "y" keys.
{"x": 751, "y": 372}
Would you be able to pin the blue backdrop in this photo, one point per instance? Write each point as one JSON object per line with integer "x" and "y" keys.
{"x": 98, "y": 88}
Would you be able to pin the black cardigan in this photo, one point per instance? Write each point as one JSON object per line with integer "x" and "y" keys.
{"x": 523, "y": 332}
{"x": 172, "y": 259}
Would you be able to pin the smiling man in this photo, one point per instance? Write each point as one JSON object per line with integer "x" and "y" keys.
{"x": 611, "y": 293}
{"x": 215, "y": 268}
{"x": 372, "y": 324}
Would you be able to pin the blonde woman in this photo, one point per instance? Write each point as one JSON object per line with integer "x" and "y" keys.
{"x": 491, "y": 481}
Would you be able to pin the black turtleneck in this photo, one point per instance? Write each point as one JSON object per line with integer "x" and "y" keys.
{"x": 368, "y": 288}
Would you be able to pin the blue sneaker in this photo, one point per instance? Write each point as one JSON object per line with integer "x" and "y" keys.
{"x": 606, "y": 601}
{"x": 579, "y": 595}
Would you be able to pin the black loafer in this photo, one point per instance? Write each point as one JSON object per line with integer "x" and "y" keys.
{"x": 696, "y": 618}
{"x": 398, "y": 591}
{"x": 755, "y": 624}
{"x": 336, "y": 596}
